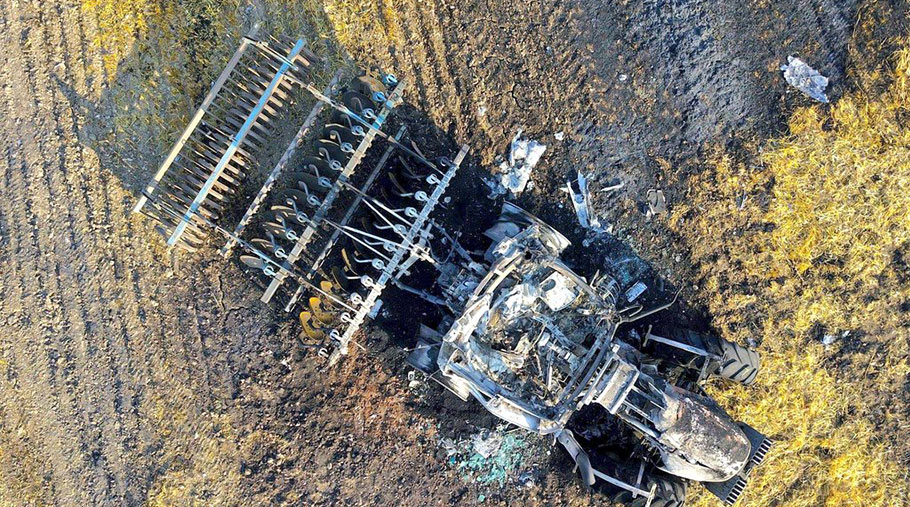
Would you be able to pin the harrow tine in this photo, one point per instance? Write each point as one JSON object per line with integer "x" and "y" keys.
{"x": 263, "y": 77}
{"x": 272, "y": 66}
{"x": 269, "y": 245}
{"x": 347, "y": 261}
{"x": 316, "y": 165}
{"x": 327, "y": 287}
{"x": 396, "y": 185}
{"x": 225, "y": 183}
{"x": 245, "y": 102}
{"x": 340, "y": 134}
{"x": 185, "y": 198}
{"x": 343, "y": 147}
{"x": 293, "y": 198}
{"x": 206, "y": 153}
{"x": 290, "y": 203}
{"x": 343, "y": 119}
{"x": 332, "y": 153}
{"x": 300, "y": 198}
{"x": 280, "y": 230}
{"x": 343, "y": 280}
{"x": 367, "y": 86}
{"x": 249, "y": 100}
{"x": 311, "y": 181}
{"x": 407, "y": 171}
{"x": 236, "y": 117}
{"x": 289, "y": 214}
{"x": 351, "y": 261}
{"x": 190, "y": 243}
{"x": 190, "y": 190}
{"x": 358, "y": 102}
{"x": 222, "y": 142}
{"x": 258, "y": 264}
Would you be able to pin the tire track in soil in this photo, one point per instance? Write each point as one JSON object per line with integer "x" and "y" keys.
{"x": 110, "y": 353}
{"x": 103, "y": 450}
{"x": 68, "y": 156}
{"x": 151, "y": 315}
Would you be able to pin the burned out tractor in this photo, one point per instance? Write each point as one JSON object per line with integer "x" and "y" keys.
{"x": 346, "y": 210}
{"x": 535, "y": 344}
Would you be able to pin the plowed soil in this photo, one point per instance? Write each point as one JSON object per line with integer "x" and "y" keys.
{"x": 132, "y": 374}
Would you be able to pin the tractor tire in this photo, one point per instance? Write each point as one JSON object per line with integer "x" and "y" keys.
{"x": 670, "y": 492}
{"x": 739, "y": 363}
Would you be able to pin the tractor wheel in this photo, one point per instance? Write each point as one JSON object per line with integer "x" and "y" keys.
{"x": 739, "y": 364}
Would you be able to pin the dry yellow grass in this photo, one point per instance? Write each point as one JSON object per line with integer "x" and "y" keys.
{"x": 802, "y": 237}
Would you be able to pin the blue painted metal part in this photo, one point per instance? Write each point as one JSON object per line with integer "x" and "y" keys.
{"x": 235, "y": 144}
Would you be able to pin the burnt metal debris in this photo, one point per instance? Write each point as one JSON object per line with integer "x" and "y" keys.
{"x": 532, "y": 341}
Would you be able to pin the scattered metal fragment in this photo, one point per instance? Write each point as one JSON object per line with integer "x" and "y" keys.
{"x": 580, "y": 195}
{"x": 806, "y": 79}
{"x": 636, "y": 290}
{"x": 513, "y": 175}
{"x": 657, "y": 203}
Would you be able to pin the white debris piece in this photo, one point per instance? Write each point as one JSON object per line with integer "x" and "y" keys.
{"x": 657, "y": 202}
{"x": 806, "y": 79}
{"x": 517, "y": 300}
{"x": 581, "y": 200}
{"x": 636, "y": 290}
{"x": 558, "y": 292}
{"x": 513, "y": 175}
{"x": 486, "y": 443}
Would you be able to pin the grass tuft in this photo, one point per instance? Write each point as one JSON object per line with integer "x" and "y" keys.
{"x": 804, "y": 237}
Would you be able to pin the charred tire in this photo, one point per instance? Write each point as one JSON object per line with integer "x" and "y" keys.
{"x": 739, "y": 364}
{"x": 670, "y": 492}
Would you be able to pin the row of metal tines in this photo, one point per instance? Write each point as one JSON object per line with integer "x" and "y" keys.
{"x": 365, "y": 249}
{"x": 233, "y": 104}
{"x": 347, "y": 255}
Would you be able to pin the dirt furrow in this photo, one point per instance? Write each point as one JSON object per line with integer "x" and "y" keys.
{"x": 36, "y": 262}
{"x": 50, "y": 199}
{"x": 433, "y": 28}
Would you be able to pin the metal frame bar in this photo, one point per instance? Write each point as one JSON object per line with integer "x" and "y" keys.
{"x": 323, "y": 209}
{"x": 232, "y": 148}
{"x": 167, "y": 209}
{"x": 651, "y": 337}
